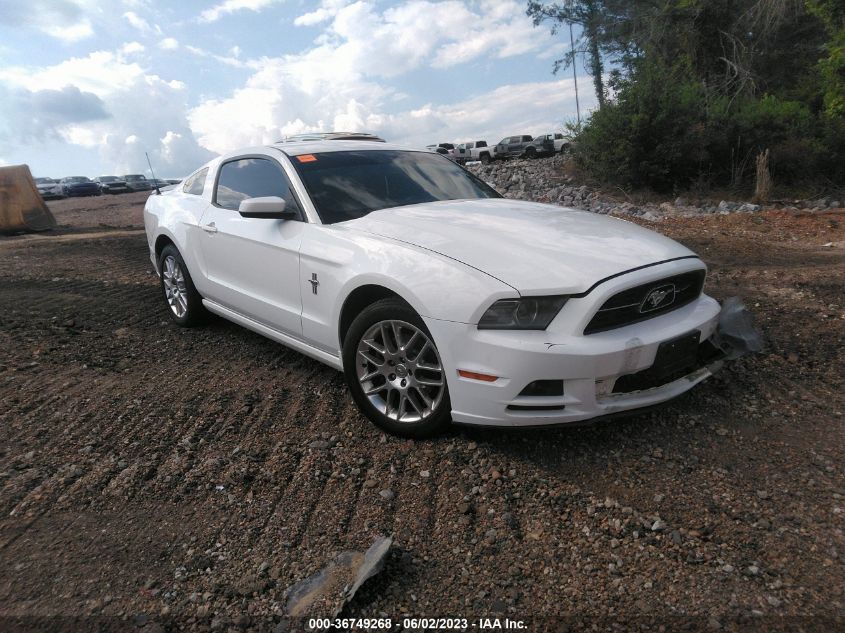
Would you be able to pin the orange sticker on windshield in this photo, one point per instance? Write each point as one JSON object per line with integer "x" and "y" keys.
{"x": 306, "y": 158}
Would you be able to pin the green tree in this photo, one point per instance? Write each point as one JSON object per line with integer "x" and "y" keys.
{"x": 591, "y": 16}
{"x": 832, "y": 67}
{"x": 699, "y": 87}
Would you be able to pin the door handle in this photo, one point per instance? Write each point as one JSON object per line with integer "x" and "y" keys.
{"x": 209, "y": 228}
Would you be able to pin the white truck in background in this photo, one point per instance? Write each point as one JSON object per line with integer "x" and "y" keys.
{"x": 478, "y": 150}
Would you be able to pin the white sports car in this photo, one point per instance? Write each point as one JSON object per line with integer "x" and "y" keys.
{"x": 438, "y": 299}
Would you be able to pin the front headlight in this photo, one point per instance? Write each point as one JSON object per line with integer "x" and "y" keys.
{"x": 527, "y": 313}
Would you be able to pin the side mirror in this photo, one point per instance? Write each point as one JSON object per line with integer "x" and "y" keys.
{"x": 269, "y": 208}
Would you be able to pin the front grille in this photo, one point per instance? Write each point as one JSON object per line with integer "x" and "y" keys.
{"x": 646, "y": 301}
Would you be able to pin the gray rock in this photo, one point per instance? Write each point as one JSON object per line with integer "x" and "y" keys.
{"x": 387, "y": 494}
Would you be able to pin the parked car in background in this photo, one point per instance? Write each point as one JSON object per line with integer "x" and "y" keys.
{"x": 478, "y": 150}
{"x": 80, "y": 186}
{"x": 112, "y": 184}
{"x": 452, "y": 152}
{"x": 438, "y": 299}
{"x": 159, "y": 182}
{"x": 562, "y": 142}
{"x": 49, "y": 188}
{"x": 461, "y": 154}
{"x": 513, "y": 146}
{"x": 173, "y": 181}
{"x": 543, "y": 145}
{"x": 438, "y": 149}
{"x": 137, "y": 182}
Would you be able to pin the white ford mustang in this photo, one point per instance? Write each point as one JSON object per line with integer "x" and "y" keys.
{"x": 438, "y": 299}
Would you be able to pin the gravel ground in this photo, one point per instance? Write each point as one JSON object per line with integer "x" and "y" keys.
{"x": 174, "y": 478}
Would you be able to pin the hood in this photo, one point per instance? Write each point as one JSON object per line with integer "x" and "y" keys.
{"x": 535, "y": 248}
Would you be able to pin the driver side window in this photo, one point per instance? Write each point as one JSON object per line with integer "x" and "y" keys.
{"x": 246, "y": 178}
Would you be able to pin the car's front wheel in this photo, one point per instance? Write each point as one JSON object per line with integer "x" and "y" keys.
{"x": 394, "y": 371}
{"x": 183, "y": 301}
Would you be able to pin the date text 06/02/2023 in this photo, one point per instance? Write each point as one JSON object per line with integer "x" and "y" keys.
{"x": 419, "y": 624}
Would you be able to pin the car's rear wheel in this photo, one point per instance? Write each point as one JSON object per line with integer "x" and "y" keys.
{"x": 485, "y": 159}
{"x": 184, "y": 303}
{"x": 394, "y": 371}
{"x": 531, "y": 153}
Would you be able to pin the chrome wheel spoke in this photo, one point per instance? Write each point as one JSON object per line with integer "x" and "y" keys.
{"x": 374, "y": 346}
{"x": 371, "y": 375}
{"x": 426, "y": 382}
{"x": 386, "y": 340}
{"x": 373, "y": 390}
{"x": 407, "y": 345}
{"x": 420, "y": 411}
{"x": 365, "y": 354}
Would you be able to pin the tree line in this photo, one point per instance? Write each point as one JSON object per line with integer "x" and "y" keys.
{"x": 696, "y": 93}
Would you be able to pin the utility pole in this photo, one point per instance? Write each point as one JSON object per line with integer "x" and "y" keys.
{"x": 574, "y": 74}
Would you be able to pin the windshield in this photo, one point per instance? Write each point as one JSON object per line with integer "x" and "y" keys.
{"x": 135, "y": 177}
{"x": 79, "y": 179}
{"x": 108, "y": 179}
{"x": 349, "y": 185}
{"x": 43, "y": 181}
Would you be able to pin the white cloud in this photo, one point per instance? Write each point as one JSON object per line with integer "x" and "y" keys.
{"x": 112, "y": 104}
{"x": 71, "y": 32}
{"x": 101, "y": 72}
{"x": 223, "y": 59}
{"x": 141, "y": 24}
{"x": 67, "y": 20}
{"x": 231, "y": 6}
{"x": 327, "y": 9}
{"x": 343, "y": 81}
{"x": 130, "y": 48}
{"x": 168, "y": 44}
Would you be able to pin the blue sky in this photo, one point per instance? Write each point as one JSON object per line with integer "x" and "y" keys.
{"x": 87, "y": 86}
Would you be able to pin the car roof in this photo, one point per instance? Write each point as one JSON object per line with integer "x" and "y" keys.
{"x": 318, "y": 147}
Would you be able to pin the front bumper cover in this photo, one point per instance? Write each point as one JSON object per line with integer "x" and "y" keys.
{"x": 589, "y": 367}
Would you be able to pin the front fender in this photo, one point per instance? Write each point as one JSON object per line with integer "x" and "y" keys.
{"x": 344, "y": 260}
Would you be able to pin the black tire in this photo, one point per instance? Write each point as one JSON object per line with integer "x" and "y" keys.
{"x": 194, "y": 312}
{"x": 530, "y": 152}
{"x": 395, "y": 310}
{"x": 485, "y": 159}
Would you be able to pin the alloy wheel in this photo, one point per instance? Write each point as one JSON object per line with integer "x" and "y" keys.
{"x": 400, "y": 371}
{"x": 175, "y": 290}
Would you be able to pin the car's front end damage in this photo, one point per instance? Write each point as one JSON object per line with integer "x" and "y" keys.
{"x": 606, "y": 317}
{"x": 562, "y": 375}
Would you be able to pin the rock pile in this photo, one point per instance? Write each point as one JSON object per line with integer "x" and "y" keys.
{"x": 544, "y": 180}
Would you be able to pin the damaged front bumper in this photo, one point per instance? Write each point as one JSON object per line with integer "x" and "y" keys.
{"x": 584, "y": 378}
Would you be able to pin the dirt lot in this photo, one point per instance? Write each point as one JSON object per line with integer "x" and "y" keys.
{"x": 171, "y": 477}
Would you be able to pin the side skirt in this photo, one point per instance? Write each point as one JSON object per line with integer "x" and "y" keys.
{"x": 288, "y": 341}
